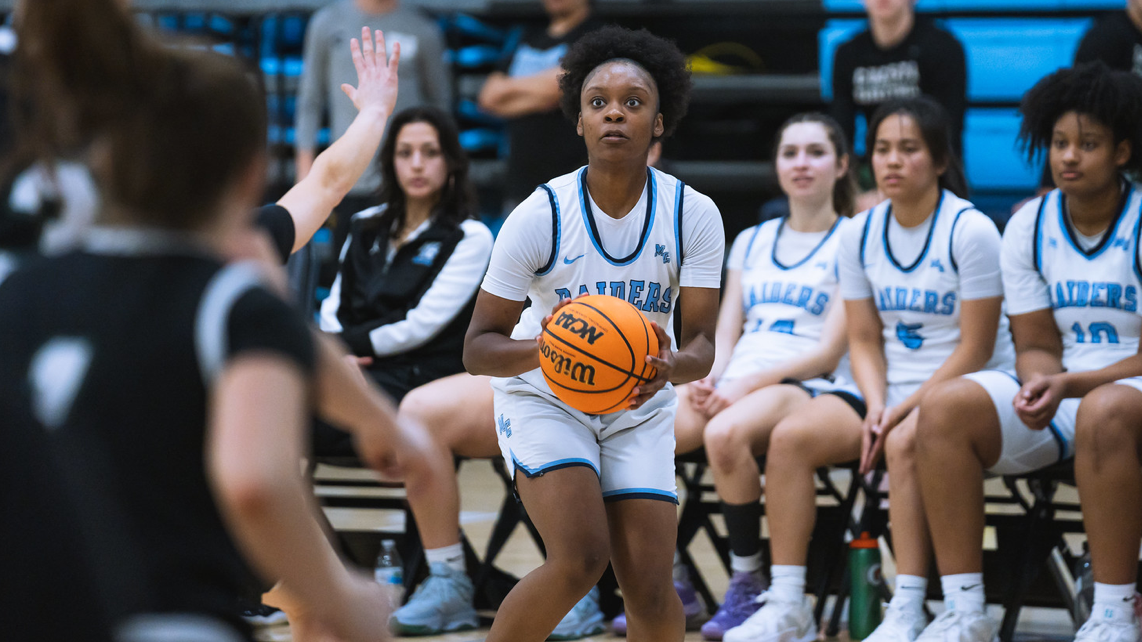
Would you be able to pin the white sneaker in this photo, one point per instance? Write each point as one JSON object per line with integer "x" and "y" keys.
{"x": 961, "y": 626}
{"x": 776, "y": 622}
{"x": 1109, "y": 631}
{"x": 899, "y": 625}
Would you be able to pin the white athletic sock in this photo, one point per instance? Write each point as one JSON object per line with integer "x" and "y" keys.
{"x": 963, "y": 592}
{"x": 1113, "y": 602}
{"x": 751, "y": 564}
{"x": 910, "y": 592}
{"x": 787, "y": 583}
{"x": 453, "y": 556}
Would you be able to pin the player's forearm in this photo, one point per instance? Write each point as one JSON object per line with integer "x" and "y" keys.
{"x": 513, "y": 97}
{"x": 497, "y": 355}
{"x": 1035, "y": 361}
{"x": 303, "y": 162}
{"x": 869, "y": 370}
{"x": 341, "y": 165}
{"x": 344, "y": 396}
{"x": 694, "y": 360}
{"x": 254, "y": 451}
{"x": 1078, "y": 384}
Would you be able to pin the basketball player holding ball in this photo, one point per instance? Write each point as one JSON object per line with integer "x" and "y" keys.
{"x": 601, "y": 487}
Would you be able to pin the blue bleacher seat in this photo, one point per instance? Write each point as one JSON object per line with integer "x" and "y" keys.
{"x": 857, "y": 6}
{"x": 480, "y": 139}
{"x": 991, "y": 157}
{"x": 1006, "y": 56}
{"x": 830, "y": 37}
{"x": 292, "y": 67}
{"x": 475, "y": 56}
{"x": 293, "y": 31}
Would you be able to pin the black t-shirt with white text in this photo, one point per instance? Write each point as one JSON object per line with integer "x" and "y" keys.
{"x": 929, "y": 61}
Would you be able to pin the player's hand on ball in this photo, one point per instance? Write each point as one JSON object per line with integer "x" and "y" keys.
{"x": 663, "y": 363}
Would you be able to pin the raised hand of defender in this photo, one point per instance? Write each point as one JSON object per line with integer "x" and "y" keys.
{"x": 376, "y": 77}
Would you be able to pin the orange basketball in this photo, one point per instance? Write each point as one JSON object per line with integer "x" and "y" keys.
{"x": 594, "y": 353}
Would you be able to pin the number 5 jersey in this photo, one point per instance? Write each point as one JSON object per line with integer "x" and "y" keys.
{"x": 918, "y": 278}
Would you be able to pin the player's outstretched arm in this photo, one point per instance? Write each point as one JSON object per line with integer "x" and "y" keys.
{"x": 336, "y": 170}
{"x": 346, "y": 398}
{"x": 254, "y": 445}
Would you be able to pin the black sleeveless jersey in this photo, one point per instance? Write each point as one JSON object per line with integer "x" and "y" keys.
{"x": 111, "y": 352}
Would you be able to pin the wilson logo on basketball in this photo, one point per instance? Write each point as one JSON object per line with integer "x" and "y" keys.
{"x": 563, "y": 365}
{"x": 579, "y": 327}
{"x": 593, "y": 353}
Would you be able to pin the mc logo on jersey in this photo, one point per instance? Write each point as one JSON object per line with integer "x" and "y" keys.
{"x": 579, "y": 326}
{"x": 660, "y": 250}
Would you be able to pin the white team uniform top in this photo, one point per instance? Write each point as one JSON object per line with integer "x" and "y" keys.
{"x": 557, "y": 244}
{"x": 786, "y": 296}
{"x": 918, "y": 277}
{"x": 1091, "y": 284}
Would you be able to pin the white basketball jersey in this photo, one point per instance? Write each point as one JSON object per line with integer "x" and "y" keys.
{"x": 784, "y": 306}
{"x": 647, "y": 277}
{"x": 1094, "y": 293}
{"x": 919, "y": 304}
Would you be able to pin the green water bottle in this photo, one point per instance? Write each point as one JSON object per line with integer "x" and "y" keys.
{"x": 864, "y": 596}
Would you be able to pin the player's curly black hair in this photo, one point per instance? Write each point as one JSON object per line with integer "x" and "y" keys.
{"x": 1113, "y": 98}
{"x": 659, "y": 57}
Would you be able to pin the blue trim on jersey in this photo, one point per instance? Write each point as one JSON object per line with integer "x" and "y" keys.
{"x": 1107, "y": 235}
{"x": 927, "y": 243}
{"x": 678, "y": 221}
{"x": 777, "y": 238}
{"x": 1037, "y": 244}
{"x": 952, "y": 237}
{"x": 1137, "y": 240}
{"x": 1059, "y": 440}
{"x": 639, "y": 493}
{"x": 593, "y": 230}
{"x": 556, "y": 231}
{"x": 749, "y": 247}
{"x": 555, "y": 465}
{"x": 863, "y": 239}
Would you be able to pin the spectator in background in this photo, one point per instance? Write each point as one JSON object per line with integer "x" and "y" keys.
{"x": 898, "y": 56}
{"x": 1115, "y": 40}
{"x": 424, "y": 79}
{"x": 526, "y": 91}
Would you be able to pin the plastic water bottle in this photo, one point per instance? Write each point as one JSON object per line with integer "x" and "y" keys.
{"x": 864, "y": 594}
{"x": 1084, "y": 587}
{"x": 389, "y": 571}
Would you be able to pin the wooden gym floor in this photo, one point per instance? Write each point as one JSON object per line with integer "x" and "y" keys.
{"x": 482, "y": 492}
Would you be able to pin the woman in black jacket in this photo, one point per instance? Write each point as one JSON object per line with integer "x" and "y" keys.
{"x": 411, "y": 265}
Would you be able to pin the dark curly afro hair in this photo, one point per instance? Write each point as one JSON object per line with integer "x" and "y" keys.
{"x": 1113, "y": 98}
{"x": 659, "y": 57}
